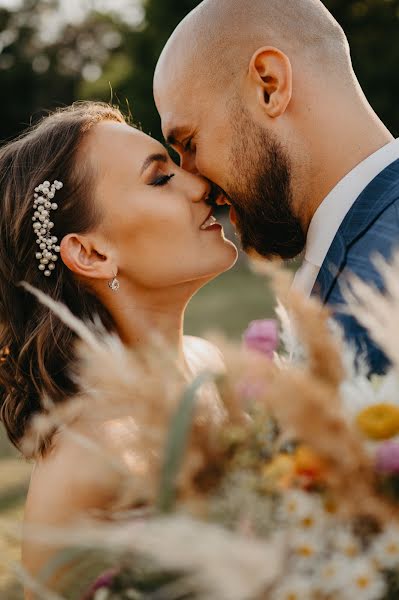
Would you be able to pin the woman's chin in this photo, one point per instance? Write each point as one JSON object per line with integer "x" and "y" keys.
{"x": 233, "y": 254}
{"x": 223, "y": 259}
{"x": 230, "y": 252}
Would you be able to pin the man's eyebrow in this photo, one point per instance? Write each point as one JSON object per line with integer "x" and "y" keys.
{"x": 158, "y": 157}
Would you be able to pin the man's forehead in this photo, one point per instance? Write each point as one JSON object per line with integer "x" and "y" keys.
{"x": 178, "y": 100}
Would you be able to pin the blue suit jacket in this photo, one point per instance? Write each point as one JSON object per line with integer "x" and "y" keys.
{"x": 371, "y": 227}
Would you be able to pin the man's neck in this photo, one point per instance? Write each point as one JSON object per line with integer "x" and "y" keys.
{"x": 340, "y": 150}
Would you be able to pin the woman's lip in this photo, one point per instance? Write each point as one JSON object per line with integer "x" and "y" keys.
{"x": 214, "y": 227}
{"x": 207, "y": 217}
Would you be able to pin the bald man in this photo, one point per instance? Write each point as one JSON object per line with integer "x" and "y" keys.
{"x": 260, "y": 97}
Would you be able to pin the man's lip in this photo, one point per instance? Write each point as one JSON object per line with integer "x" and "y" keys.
{"x": 222, "y": 199}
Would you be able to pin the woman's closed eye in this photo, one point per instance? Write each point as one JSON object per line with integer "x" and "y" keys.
{"x": 161, "y": 180}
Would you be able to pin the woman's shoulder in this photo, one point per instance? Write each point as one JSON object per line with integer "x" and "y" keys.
{"x": 73, "y": 462}
{"x": 69, "y": 483}
{"x": 202, "y": 354}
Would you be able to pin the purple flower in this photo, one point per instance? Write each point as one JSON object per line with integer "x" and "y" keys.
{"x": 262, "y": 336}
{"x": 387, "y": 458}
{"x": 249, "y": 390}
{"x": 105, "y": 580}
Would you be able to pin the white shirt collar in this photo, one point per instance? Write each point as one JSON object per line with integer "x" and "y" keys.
{"x": 328, "y": 217}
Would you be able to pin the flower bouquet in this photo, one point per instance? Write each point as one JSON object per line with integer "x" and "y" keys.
{"x": 286, "y": 487}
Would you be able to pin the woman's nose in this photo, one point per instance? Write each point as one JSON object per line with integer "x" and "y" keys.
{"x": 198, "y": 187}
{"x": 202, "y": 190}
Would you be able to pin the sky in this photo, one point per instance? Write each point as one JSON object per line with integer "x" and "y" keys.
{"x": 74, "y": 10}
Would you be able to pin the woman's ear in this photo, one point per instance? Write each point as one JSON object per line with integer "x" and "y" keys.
{"x": 85, "y": 257}
{"x": 271, "y": 72}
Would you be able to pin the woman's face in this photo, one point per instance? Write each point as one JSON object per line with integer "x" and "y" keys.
{"x": 155, "y": 216}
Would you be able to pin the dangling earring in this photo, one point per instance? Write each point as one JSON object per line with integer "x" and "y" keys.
{"x": 114, "y": 284}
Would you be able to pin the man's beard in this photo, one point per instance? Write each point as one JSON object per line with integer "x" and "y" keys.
{"x": 261, "y": 193}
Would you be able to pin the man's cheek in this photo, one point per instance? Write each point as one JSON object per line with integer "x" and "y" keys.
{"x": 208, "y": 167}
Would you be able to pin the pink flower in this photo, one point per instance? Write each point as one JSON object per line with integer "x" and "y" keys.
{"x": 262, "y": 336}
{"x": 387, "y": 458}
{"x": 249, "y": 390}
{"x": 105, "y": 580}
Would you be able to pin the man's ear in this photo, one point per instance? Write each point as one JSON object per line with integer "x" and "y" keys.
{"x": 270, "y": 70}
{"x": 83, "y": 256}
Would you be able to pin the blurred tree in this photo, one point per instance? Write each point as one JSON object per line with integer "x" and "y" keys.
{"x": 162, "y": 17}
{"x": 37, "y": 72}
{"x": 88, "y": 58}
{"x": 372, "y": 27}
{"x": 143, "y": 48}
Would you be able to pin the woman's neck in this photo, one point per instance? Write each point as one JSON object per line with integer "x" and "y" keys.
{"x": 139, "y": 315}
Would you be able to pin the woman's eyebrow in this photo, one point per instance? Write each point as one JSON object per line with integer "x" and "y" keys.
{"x": 158, "y": 157}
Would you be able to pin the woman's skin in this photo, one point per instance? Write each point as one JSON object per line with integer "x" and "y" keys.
{"x": 150, "y": 236}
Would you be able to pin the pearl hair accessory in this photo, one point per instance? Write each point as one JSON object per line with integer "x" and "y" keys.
{"x": 43, "y": 204}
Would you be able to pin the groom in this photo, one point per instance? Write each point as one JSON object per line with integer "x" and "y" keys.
{"x": 260, "y": 97}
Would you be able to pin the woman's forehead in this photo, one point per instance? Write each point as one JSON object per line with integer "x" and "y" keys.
{"x": 113, "y": 142}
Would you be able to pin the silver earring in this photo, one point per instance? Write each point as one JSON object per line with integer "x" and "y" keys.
{"x": 114, "y": 284}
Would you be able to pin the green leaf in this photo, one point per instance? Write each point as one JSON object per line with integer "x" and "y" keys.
{"x": 177, "y": 442}
{"x": 61, "y": 559}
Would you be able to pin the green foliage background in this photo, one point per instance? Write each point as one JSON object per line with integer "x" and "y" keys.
{"x": 36, "y": 75}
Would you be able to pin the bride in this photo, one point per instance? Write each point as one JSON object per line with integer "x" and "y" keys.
{"x": 95, "y": 214}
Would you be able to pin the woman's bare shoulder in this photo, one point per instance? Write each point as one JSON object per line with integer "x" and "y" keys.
{"x": 72, "y": 464}
{"x": 71, "y": 482}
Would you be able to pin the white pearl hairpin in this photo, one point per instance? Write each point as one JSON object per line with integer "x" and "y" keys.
{"x": 43, "y": 204}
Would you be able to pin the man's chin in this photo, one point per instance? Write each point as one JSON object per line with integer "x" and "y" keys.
{"x": 257, "y": 252}
{"x": 255, "y": 255}
{"x": 255, "y": 247}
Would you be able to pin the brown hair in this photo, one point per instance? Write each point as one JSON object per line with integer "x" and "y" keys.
{"x": 36, "y": 348}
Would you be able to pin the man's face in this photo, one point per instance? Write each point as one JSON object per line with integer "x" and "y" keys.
{"x": 223, "y": 143}
{"x": 260, "y": 190}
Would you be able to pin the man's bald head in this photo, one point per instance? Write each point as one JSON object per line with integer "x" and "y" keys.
{"x": 217, "y": 39}
{"x": 255, "y": 95}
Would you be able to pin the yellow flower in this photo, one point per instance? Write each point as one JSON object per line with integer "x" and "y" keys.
{"x": 279, "y": 472}
{"x": 379, "y": 422}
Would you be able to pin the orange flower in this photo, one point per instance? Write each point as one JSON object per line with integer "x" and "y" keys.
{"x": 379, "y": 422}
{"x": 279, "y": 472}
{"x": 308, "y": 464}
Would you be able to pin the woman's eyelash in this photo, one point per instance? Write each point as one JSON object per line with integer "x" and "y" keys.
{"x": 162, "y": 180}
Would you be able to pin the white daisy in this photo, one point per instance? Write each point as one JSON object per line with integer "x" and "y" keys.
{"x": 302, "y": 509}
{"x": 102, "y": 594}
{"x": 332, "y": 575}
{"x": 364, "y": 582}
{"x": 305, "y": 548}
{"x": 385, "y": 548}
{"x": 294, "y": 587}
{"x": 344, "y": 542}
{"x": 357, "y": 394}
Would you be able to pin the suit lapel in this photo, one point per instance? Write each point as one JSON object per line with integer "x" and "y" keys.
{"x": 371, "y": 203}
{"x": 331, "y": 268}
